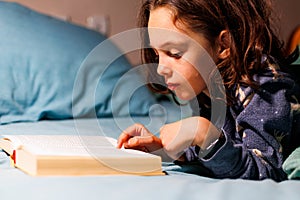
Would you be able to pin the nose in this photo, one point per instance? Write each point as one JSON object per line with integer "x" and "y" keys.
{"x": 163, "y": 69}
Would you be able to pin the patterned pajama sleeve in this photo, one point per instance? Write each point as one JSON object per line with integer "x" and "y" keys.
{"x": 257, "y": 130}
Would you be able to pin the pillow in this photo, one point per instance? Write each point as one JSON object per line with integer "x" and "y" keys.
{"x": 291, "y": 165}
{"x": 297, "y": 62}
{"x": 45, "y": 73}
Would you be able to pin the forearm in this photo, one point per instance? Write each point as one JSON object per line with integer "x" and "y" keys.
{"x": 237, "y": 161}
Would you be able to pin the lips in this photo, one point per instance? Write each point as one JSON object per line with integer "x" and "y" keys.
{"x": 172, "y": 86}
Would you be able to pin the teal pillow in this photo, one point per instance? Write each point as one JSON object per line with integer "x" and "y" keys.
{"x": 297, "y": 62}
{"x": 45, "y": 73}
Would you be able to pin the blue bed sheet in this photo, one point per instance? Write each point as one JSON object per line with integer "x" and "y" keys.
{"x": 14, "y": 184}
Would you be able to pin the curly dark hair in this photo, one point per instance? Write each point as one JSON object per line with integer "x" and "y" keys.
{"x": 250, "y": 26}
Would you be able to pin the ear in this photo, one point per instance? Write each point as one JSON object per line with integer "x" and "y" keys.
{"x": 224, "y": 41}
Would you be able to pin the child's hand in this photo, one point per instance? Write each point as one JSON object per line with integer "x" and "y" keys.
{"x": 140, "y": 138}
{"x": 178, "y": 136}
{"x": 174, "y": 137}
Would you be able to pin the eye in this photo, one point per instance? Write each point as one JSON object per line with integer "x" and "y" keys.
{"x": 175, "y": 55}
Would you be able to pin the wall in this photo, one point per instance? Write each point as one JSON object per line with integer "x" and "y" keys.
{"x": 122, "y": 13}
{"x": 289, "y": 12}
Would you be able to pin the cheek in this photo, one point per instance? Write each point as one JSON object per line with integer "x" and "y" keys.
{"x": 194, "y": 79}
{"x": 192, "y": 85}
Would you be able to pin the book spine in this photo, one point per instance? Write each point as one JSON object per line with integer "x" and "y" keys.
{"x": 13, "y": 158}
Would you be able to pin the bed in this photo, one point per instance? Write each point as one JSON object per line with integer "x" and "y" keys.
{"x": 54, "y": 80}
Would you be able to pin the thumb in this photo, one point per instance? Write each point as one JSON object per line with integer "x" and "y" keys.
{"x": 140, "y": 140}
{"x": 144, "y": 143}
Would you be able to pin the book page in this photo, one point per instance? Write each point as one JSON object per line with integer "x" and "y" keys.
{"x": 73, "y": 145}
{"x": 61, "y": 144}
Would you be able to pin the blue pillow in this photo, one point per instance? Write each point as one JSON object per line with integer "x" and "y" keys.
{"x": 45, "y": 73}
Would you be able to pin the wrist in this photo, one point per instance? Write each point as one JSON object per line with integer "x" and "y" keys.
{"x": 211, "y": 149}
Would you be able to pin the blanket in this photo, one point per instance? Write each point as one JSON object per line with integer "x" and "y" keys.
{"x": 292, "y": 165}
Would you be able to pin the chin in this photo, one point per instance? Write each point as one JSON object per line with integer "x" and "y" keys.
{"x": 185, "y": 97}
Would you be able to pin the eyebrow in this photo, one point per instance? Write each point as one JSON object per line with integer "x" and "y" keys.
{"x": 170, "y": 44}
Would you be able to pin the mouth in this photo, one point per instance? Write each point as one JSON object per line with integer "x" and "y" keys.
{"x": 172, "y": 86}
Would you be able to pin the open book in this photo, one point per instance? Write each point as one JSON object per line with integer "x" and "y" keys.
{"x": 76, "y": 155}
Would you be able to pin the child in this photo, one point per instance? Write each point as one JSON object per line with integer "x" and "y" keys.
{"x": 257, "y": 133}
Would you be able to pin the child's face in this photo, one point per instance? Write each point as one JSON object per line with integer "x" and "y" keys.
{"x": 183, "y": 54}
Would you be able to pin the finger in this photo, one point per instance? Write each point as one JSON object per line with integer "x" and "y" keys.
{"x": 123, "y": 138}
{"x": 150, "y": 142}
{"x": 128, "y": 133}
{"x": 140, "y": 148}
{"x": 138, "y": 141}
{"x": 136, "y": 130}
